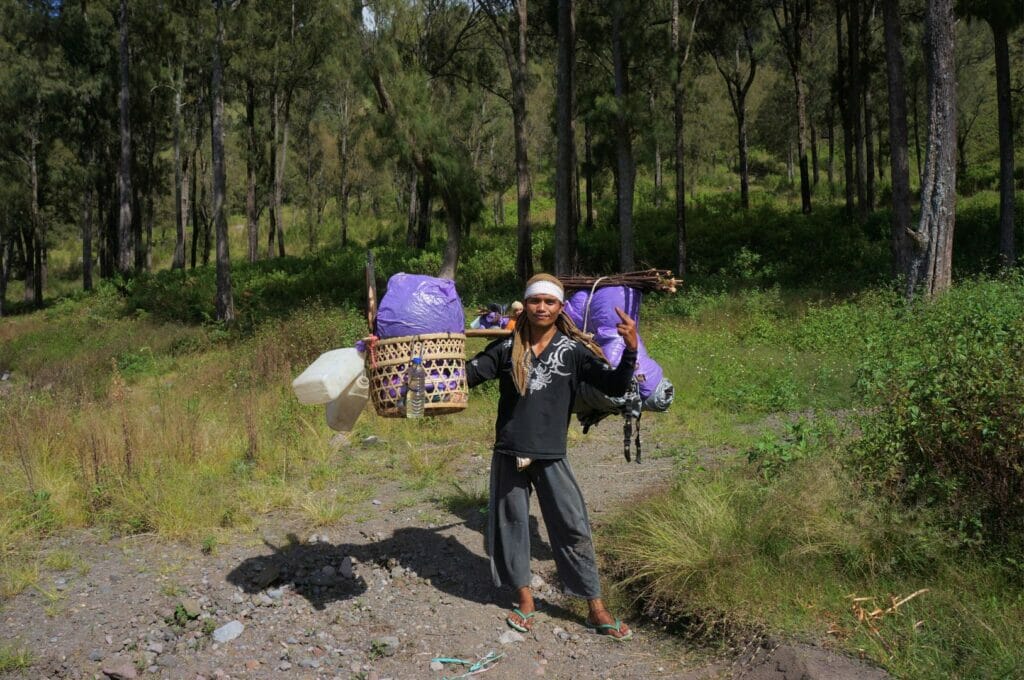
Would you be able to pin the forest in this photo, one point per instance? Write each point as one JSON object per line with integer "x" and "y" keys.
{"x": 189, "y": 189}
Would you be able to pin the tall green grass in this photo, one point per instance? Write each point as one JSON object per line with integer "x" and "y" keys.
{"x": 820, "y": 528}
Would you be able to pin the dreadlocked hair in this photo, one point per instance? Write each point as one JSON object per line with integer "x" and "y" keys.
{"x": 522, "y": 355}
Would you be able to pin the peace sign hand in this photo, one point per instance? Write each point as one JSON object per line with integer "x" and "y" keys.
{"x": 627, "y": 330}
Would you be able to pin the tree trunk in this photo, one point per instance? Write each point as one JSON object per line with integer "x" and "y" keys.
{"x": 845, "y": 110}
{"x": 412, "y": 222}
{"x": 791, "y": 29}
{"x": 252, "y": 220}
{"x": 281, "y": 168}
{"x": 790, "y": 174}
{"x": 1007, "y": 244}
{"x": 28, "y": 247}
{"x": 38, "y": 237}
{"x": 588, "y": 176}
{"x": 105, "y": 211}
{"x": 275, "y": 105}
{"x": 426, "y": 195}
{"x": 854, "y": 100}
{"x": 145, "y": 262}
{"x": 679, "y": 161}
{"x": 225, "y": 306}
{"x": 814, "y": 154}
{"x": 623, "y": 144}
{"x": 743, "y": 147}
{"x": 450, "y": 256}
{"x": 125, "y": 249}
{"x": 178, "y": 260}
{"x": 830, "y": 166}
{"x": 524, "y": 190}
{"x": 87, "y": 233}
{"x": 869, "y": 152}
{"x": 565, "y": 105}
{"x": 899, "y": 163}
{"x": 344, "y": 184}
{"x": 196, "y": 179}
{"x": 880, "y": 156}
{"x": 930, "y": 269}
{"x": 657, "y": 151}
{"x": 5, "y": 270}
{"x": 917, "y": 135}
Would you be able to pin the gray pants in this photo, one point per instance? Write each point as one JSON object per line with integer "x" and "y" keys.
{"x": 561, "y": 504}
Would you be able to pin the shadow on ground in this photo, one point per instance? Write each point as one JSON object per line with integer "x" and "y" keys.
{"x": 315, "y": 570}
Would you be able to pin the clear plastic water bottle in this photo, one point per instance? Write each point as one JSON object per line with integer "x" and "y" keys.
{"x": 417, "y": 389}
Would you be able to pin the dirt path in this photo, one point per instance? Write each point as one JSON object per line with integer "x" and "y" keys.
{"x": 378, "y": 599}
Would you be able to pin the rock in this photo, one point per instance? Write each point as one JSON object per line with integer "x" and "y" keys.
{"x": 228, "y": 632}
{"x": 96, "y": 655}
{"x": 346, "y": 569}
{"x": 396, "y": 572}
{"x": 561, "y": 633}
{"x": 371, "y": 440}
{"x": 237, "y": 598}
{"x": 123, "y": 670}
{"x": 537, "y": 582}
{"x": 263, "y": 600}
{"x": 192, "y": 607}
{"x": 375, "y": 501}
{"x": 436, "y": 666}
{"x": 284, "y": 666}
{"x": 252, "y": 665}
{"x": 328, "y": 571}
{"x": 384, "y": 646}
{"x": 309, "y": 663}
{"x": 155, "y": 647}
{"x": 167, "y": 661}
{"x": 275, "y": 593}
{"x": 510, "y": 637}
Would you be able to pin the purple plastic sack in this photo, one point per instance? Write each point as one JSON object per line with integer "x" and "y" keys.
{"x": 415, "y": 304}
{"x": 601, "y": 320}
{"x": 602, "y": 307}
{"x": 648, "y": 373}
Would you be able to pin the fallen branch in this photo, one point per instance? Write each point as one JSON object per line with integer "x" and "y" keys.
{"x": 647, "y": 280}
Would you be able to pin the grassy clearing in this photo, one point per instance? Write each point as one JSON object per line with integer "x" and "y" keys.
{"x": 152, "y": 426}
{"x": 129, "y": 411}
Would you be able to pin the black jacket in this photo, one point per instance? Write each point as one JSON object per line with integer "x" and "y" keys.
{"x": 536, "y": 426}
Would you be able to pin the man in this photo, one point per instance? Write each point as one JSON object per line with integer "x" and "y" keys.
{"x": 539, "y": 368}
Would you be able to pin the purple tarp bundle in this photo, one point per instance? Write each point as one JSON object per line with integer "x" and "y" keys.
{"x": 601, "y": 319}
{"x": 415, "y": 304}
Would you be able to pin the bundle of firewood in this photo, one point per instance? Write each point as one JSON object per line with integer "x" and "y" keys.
{"x": 647, "y": 280}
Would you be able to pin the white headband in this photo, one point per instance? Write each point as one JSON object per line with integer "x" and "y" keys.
{"x": 543, "y": 287}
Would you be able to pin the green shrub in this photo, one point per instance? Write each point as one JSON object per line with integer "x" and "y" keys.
{"x": 947, "y": 427}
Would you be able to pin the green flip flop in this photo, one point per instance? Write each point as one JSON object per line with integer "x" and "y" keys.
{"x": 525, "y": 617}
{"x": 607, "y": 628}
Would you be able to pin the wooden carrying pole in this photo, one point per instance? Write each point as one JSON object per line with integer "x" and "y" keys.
{"x": 487, "y": 332}
{"x": 371, "y": 293}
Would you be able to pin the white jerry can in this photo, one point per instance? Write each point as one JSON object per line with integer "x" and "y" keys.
{"x": 330, "y": 375}
{"x": 343, "y": 412}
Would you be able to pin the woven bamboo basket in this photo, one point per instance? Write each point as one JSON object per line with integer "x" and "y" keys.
{"x": 444, "y": 359}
